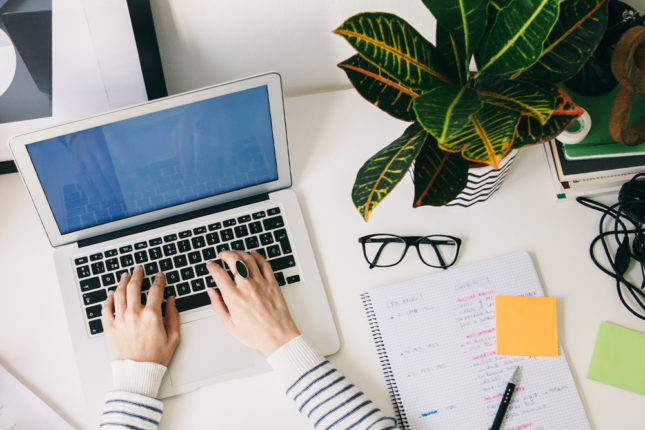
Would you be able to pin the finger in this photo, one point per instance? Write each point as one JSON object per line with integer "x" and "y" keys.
{"x": 155, "y": 294}
{"x": 119, "y": 295}
{"x": 171, "y": 320}
{"x": 133, "y": 290}
{"x": 107, "y": 311}
{"x": 221, "y": 278}
{"x": 264, "y": 265}
{"x": 230, "y": 257}
{"x": 219, "y": 307}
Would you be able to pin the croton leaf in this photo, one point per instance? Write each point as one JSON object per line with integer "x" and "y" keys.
{"x": 488, "y": 136}
{"x": 379, "y": 88}
{"x": 530, "y": 131}
{"x": 516, "y": 38}
{"x": 446, "y": 109}
{"x": 381, "y": 173}
{"x": 574, "y": 37}
{"x": 494, "y": 6}
{"x": 393, "y": 45}
{"x": 465, "y": 20}
{"x": 439, "y": 176}
{"x": 453, "y": 59}
{"x": 518, "y": 95}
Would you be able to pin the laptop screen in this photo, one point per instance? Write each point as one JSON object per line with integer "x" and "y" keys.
{"x": 157, "y": 160}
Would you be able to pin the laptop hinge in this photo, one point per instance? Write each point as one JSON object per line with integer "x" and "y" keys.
{"x": 172, "y": 220}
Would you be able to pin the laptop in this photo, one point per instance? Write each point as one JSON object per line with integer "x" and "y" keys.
{"x": 169, "y": 184}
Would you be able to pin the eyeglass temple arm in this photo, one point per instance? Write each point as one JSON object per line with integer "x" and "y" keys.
{"x": 436, "y": 251}
{"x": 378, "y": 253}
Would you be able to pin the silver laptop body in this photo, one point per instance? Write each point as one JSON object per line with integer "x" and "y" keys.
{"x": 171, "y": 183}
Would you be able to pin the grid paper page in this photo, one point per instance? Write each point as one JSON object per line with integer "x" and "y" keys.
{"x": 438, "y": 333}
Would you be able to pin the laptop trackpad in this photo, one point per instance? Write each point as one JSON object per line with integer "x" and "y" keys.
{"x": 206, "y": 351}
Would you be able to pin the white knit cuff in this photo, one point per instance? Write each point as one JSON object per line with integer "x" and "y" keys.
{"x": 293, "y": 359}
{"x": 137, "y": 377}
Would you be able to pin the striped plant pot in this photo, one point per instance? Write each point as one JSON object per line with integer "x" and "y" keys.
{"x": 483, "y": 182}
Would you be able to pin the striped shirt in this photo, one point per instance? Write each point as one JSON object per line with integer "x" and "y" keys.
{"x": 318, "y": 390}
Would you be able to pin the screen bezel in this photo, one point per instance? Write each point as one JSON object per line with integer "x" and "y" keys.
{"x": 273, "y": 83}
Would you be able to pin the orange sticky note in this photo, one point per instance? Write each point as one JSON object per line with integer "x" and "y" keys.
{"x": 526, "y": 326}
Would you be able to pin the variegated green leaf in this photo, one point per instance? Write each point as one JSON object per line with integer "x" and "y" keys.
{"x": 488, "y": 137}
{"x": 452, "y": 56}
{"x": 395, "y": 46}
{"x": 518, "y": 95}
{"x": 444, "y": 110}
{"x": 516, "y": 38}
{"x": 530, "y": 131}
{"x": 574, "y": 37}
{"x": 439, "y": 176}
{"x": 381, "y": 173}
{"x": 379, "y": 88}
{"x": 465, "y": 20}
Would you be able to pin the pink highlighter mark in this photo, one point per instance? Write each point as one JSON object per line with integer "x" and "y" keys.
{"x": 521, "y": 426}
{"x": 486, "y": 354}
{"x": 497, "y": 396}
{"x": 474, "y": 296}
{"x": 479, "y": 333}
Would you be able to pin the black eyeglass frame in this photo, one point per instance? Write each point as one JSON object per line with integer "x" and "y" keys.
{"x": 409, "y": 241}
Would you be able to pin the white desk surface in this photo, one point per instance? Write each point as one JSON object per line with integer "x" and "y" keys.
{"x": 330, "y": 136}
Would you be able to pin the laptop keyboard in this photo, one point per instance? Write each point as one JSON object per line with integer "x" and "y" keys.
{"x": 182, "y": 256}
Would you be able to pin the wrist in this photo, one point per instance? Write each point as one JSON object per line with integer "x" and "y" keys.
{"x": 279, "y": 341}
{"x": 137, "y": 377}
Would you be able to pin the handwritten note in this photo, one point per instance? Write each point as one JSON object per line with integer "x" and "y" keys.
{"x": 20, "y": 409}
{"x": 526, "y": 326}
{"x": 438, "y": 341}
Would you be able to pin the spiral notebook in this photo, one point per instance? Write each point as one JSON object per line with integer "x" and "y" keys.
{"x": 435, "y": 337}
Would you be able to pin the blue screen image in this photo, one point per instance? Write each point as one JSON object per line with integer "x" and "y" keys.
{"x": 157, "y": 160}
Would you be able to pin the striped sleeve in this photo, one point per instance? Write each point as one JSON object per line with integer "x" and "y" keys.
{"x": 322, "y": 393}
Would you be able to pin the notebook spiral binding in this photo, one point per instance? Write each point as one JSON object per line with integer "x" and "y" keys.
{"x": 383, "y": 358}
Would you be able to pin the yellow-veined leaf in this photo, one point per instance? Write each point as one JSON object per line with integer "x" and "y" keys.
{"x": 518, "y": 95}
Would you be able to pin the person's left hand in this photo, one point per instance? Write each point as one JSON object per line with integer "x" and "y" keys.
{"x": 137, "y": 332}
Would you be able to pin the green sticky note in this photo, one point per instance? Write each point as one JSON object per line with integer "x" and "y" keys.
{"x": 618, "y": 358}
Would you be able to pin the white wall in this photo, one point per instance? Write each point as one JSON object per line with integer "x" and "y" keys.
{"x": 208, "y": 41}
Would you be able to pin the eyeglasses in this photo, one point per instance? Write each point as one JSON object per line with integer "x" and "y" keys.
{"x": 386, "y": 250}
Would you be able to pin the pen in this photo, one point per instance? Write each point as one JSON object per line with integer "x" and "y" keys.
{"x": 506, "y": 399}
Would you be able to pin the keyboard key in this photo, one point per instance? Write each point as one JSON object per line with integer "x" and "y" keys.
{"x": 112, "y": 264}
{"x": 172, "y": 277}
{"x": 155, "y": 253}
{"x": 192, "y": 302}
{"x": 266, "y": 239}
{"x": 197, "y": 284}
{"x": 210, "y": 282}
{"x": 144, "y": 298}
{"x": 183, "y": 288}
{"x": 146, "y": 283}
{"x": 209, "y": 253}
{"x": 293, "y": 279}
{"x": 80, "y": 260}
{"x": 183, "y": 245}
{"x": 241, "y": 231}
{"x": 198, "y": 242}
{"x": 108, "y": 279}
{"x": 244, "y": 218}
{"x": 125, "y": 249}
{"x": 273, "y": 223}
{"x": 83, "y": 272}
{"x": 281, "y": 237}
{"x": 140, "y": 245}
{"x": 112, "y": 288}
{"x": 110, "y": 253}
{"x": 94, "y": 297}
{"x": 280, "y": 234}
{"x": 222, "y": 247}
{"x": 238, "y": 245}
{"x": 169, "y": 291}
{"x": 262, "y": 252}
{"x": 93, "y": 311}
{"x": 255, "y": 227}
{"x": 199, "y": 230}
{"x": 170, "y": 238}
{"x": 169, "y": 249}
{"x": 141, "y": 257}
{"x": 273, "y": 211}
{"x": 187, "y": 273}
{"x": 214, "y": 226}
{"x": 280, "y": 278}
{"x": 96, "y": 326}
{"x": 196, "y": 257}
{"x": 273, "y": 251}
{"x": 227, "y": 234}
{"x": 98, "y": 268}
{"x": 229, "y": 222}
{"x": 151, "y": 269}
{"x": 90, "y": 284}
{"x": 120, "y": 273}
{"x": 282, "y": 263}
{"x": 180, "y": 261}
{"x": 126, "y": 260}
{"x": 96, "y": 257}
{"x": 184, "y": 234}
{"x": 212, "y": 238}
{"x": 251, "y": 242}
{"x": 201, "y": 269}
{"x": 165, "y": 264}
{"x": 259, "y": 215}
{"x": 154, "y": 242}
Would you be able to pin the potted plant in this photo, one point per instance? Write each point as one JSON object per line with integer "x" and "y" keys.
{"x": 522, "y": 49}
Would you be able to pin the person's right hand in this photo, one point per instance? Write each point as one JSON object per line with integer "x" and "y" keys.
{"x": 252, "y": 309}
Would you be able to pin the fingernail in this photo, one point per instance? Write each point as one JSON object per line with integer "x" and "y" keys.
{"x": 110, "y": 293}
{"x": 123, "y": 276}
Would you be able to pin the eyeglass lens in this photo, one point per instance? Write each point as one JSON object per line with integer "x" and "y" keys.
{"x": 438, "y": 251}
{"x": 384, "y": 250}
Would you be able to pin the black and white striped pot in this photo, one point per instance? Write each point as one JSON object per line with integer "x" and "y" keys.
{"x": 483, "y": 182}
